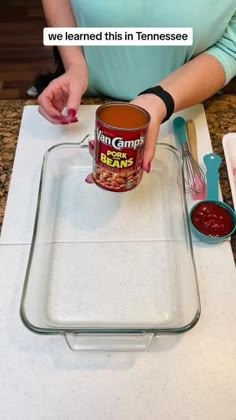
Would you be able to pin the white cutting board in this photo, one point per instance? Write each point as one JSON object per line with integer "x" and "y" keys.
{"x": 37, "y": 135}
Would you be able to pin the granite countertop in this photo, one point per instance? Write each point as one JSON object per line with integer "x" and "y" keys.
{"x": 221, "y": 117}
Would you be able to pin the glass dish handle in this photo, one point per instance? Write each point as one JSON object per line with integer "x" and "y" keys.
{"x": 108, "y": 341}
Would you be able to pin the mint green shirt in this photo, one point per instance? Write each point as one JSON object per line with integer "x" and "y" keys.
{"x": 123, "y": 71}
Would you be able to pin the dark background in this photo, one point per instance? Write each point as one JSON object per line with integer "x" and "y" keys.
{"x": 22, "y": 54}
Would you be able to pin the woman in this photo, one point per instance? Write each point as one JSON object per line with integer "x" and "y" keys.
{"x": 187, "y": 74}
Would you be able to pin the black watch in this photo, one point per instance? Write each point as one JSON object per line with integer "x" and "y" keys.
{"x": 165, "y": 96}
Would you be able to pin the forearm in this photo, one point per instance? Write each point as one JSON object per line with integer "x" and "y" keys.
{"x": 192, "y": 83}
{"x": 195, "y": 81}
{"x": 59, "y": 14}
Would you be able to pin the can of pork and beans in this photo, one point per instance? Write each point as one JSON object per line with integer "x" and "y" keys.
{"x": 119, "y": 145}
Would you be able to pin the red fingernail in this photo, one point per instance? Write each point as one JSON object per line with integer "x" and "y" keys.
{"x": 147, "y": 167}
{"x": 91, "y": 144}
{"x": 89, "y": 179}
{"x": 74, "y": 120}
{"x": 64, "y": 122}
{"x": 71, "y": 113}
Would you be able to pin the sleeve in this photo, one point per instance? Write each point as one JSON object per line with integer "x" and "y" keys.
{"x": 224, "y": 50}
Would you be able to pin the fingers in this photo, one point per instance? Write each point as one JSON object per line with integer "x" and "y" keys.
{"x": 47, "y": 110}
{"x": 150, "y": 147}
{"x": 89, "y": 179}
{"x": 55, "y": 97}
{"x": 91, "y": 147}
{"x": 64, "y": 120}
{"x": 74, "y": 98}
{"x": 156, "y": 108}
{"x": 53, "y": 120}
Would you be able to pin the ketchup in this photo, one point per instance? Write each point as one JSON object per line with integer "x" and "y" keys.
{"x": 212, "y": 219}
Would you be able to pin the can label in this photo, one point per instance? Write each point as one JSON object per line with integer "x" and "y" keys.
{"x": 118, "y": 157}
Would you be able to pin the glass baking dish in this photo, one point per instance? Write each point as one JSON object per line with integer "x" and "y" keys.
{"x": 110, "y": 270}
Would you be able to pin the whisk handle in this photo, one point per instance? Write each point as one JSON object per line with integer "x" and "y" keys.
{"x": 179, "y": 126}
{"x": 212, "y": 163}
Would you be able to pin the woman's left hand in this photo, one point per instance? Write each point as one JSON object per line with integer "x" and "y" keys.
{"x": 156, "y": 108}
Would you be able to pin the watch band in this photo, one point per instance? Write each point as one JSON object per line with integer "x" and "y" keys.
{"x": 165, "y": 96}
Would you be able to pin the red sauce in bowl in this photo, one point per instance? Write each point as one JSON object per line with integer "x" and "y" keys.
{"x": 212, "y": 219}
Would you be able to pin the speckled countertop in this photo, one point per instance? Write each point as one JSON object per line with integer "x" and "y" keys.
{"x": 221, "y": 117}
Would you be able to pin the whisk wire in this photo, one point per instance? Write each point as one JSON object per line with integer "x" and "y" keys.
{"x": 193, "y": 174}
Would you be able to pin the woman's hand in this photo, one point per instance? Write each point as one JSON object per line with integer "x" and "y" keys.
{"x": 157, "y": 110}
{"x": 65, "y": 91}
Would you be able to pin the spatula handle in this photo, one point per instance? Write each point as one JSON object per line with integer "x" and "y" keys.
{"x": 179, "y": 126}
{"x": 192, "y": 138}
{"x": 212, "y": 163}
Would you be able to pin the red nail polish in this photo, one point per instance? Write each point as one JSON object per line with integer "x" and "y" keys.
{"x": 74, "y": 120}
{"x": 89, "y": 179}
{"x": 148, "y": 167}
{"x": 71, "y": 113}
{"x": 64, "y": 122}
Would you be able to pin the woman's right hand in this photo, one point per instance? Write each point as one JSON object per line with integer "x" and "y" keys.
{"x": 64, "y": 92}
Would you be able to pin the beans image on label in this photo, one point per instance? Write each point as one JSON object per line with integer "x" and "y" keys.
{"x": 117, "y": 181}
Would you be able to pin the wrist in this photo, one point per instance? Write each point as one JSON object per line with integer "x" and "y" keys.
{"x": 72, "y": 56}
{"x": 165, "y": 100}
{"x": 158, "y": 105}
{"x": 79, "y": 71}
